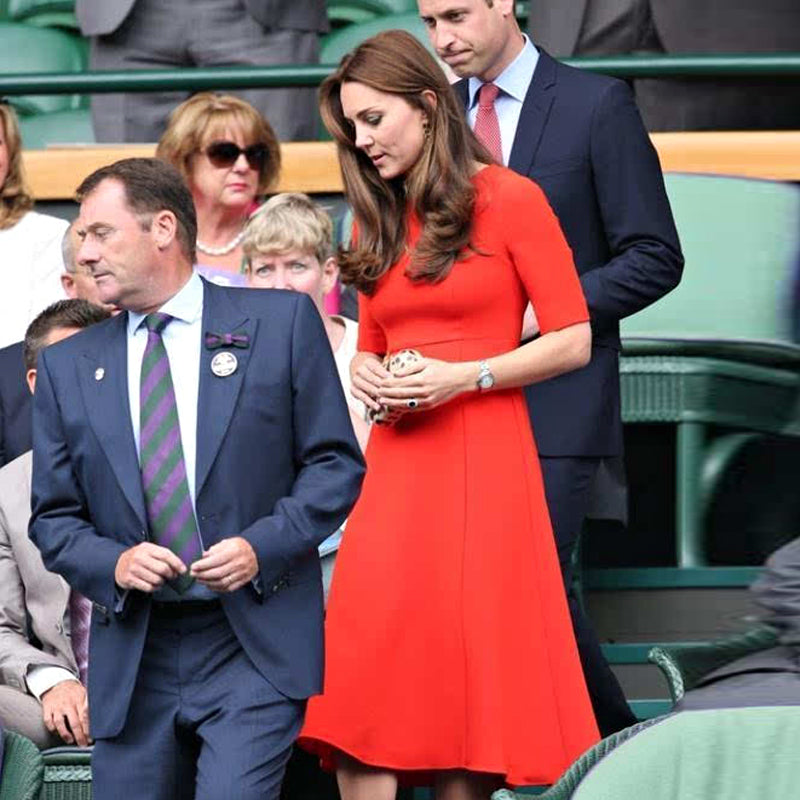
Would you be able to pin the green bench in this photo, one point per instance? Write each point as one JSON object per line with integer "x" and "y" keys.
{"x": 715, "y": 358}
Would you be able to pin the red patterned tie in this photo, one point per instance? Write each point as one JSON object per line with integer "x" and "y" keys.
{"x": 487, "y": 126}
{"x": 80, "y": 612}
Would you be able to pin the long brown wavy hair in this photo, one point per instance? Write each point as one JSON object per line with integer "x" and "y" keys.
{"x": 437, "y": 188}
{"x": 15, "y": 196}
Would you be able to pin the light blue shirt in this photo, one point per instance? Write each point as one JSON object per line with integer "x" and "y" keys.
{"x": 182, "y": 340}
{"x": 513, "y": 83}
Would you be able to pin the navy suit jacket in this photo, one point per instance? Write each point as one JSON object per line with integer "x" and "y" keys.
{"x": 277, "y": 463}
{"x": 15, "y": 405}
{"x": 580, "y": 137}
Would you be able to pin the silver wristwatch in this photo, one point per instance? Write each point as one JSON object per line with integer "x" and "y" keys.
{"x": 485, "y": 378}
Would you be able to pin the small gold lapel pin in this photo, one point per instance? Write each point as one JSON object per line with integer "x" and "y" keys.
{"x": 99, "y": 374}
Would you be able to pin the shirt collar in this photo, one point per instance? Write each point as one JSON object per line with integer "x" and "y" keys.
{"x": 186, "y": 305}
{"x": 515, "y": 79}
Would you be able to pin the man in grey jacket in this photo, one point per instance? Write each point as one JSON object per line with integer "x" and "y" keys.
{"x": 768, "y": 677}
{"x": 164, "y": 34}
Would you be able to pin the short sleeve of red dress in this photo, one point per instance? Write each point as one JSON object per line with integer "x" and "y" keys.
{"x": 540, "y": 253}
{"x": 371, "y": 338}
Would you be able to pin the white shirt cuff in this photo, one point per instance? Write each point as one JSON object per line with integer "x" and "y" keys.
{"x": 45, "y": 676}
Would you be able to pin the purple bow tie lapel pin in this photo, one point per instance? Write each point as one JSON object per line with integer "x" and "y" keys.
{"x": 225, "y": 363}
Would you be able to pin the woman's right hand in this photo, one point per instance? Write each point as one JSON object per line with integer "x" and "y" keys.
{"x": 366, "y": 375}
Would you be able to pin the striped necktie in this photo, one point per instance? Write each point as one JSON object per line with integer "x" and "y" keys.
{"x": 166, "y": 491}
{"x": 487, "y": 125}
{"x": 80, "y": 615}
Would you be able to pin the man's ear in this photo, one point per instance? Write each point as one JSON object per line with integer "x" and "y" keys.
{"x": 68, "y": 285}
{"x": 506, "y": 7}
{"x": 330, "y": 274}
{"x": 30, "y": 377}
{"x": 164, "y": 228}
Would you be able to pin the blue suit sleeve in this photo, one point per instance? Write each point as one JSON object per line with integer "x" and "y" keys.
{"x": 60, "y": 525}
{"x": 330, "y": 467}
{"x": 646, "y": 260}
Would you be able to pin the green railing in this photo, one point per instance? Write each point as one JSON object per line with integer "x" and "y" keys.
{"x": 191, "y": 79}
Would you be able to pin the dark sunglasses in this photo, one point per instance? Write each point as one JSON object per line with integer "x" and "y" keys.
{"x": 225, "y": 154}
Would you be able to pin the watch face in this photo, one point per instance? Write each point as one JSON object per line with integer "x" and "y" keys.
{"x": 486, "y": 382}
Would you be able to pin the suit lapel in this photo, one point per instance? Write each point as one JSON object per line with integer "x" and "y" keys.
{"x": 533, "y": 116}
{"x": 218, "y": 395}
{"x": 103, "y": 377}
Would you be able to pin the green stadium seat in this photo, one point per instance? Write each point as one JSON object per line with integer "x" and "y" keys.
{"x": 73, "y": 126}
{"x": 67, "y": 774}
{"x": 22, "y": 769}
{"x": 716, "y": 358}
{"x": 720, "y": 753}
{"x": 338, "y": 43}
{"x": 43, "y": 13}
{"x": 348, "y": 12}
{"x": 28, "y": 49}
{"x": 684, "y": 665}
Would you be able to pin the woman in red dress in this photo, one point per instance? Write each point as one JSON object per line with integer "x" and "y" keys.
{"x": 449, "y": 654}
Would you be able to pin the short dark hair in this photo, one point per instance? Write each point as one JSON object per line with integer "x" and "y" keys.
{"x": 61, "y": 314}
{"x": 151, "y": 185}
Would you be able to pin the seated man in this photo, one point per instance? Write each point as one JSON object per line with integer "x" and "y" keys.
{"x": 288, "y": 244}
{"x": 43, "y": 626}
{"x": 768, "y": 677}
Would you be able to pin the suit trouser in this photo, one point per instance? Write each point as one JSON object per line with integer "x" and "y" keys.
{"x": 203, "y": 722}
{"x": 568, "y": 484}
{"x": 164, "y": 34}
{"x": 22, "y": 713}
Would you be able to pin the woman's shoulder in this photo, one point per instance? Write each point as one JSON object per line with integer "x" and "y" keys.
{"x": 350, "y": 330}
{"x": 505, "y": 189}
{"x": 42, "y": 223}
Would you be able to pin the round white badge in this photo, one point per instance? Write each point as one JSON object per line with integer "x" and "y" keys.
{"x": 99, "y": 373}
{"x": 224, "y": 364}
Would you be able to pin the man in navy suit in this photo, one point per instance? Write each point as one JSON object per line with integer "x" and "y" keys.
{"x": 580, "y": 137}
{"x": 189, "y": 457}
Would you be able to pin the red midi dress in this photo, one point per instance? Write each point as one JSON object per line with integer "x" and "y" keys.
{"x": 449, "y": 643}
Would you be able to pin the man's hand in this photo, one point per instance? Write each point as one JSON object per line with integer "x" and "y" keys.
{"x": 65, "y": 711}
{"x": 147, "y": 567}
{"x": 227, "y": 566}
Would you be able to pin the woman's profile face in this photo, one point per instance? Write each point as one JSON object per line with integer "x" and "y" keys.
{"x": 231, "y": 185}
{"x": 386, "y": 127}
{"x": 3, "y": 154}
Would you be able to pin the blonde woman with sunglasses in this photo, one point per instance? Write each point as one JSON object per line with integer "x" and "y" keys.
{"x": 229, "y": 156}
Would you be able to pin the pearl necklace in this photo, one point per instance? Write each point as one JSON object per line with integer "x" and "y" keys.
{"x": 225, "y": 249}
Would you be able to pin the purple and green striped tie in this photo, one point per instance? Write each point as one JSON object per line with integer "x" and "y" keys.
{"x": 166, "y": 492}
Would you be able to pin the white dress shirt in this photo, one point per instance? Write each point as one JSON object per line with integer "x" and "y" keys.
{"x": 182, "y": 342}
{"x": 513, "y": 83}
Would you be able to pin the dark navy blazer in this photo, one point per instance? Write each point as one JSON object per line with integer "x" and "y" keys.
{"x": 277, "y": 463}
{"x": 580, "y": 137}
{"x": 15, "y": 404}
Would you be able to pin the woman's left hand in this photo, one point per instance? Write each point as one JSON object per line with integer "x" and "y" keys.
{"x": 429, "y": 382}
